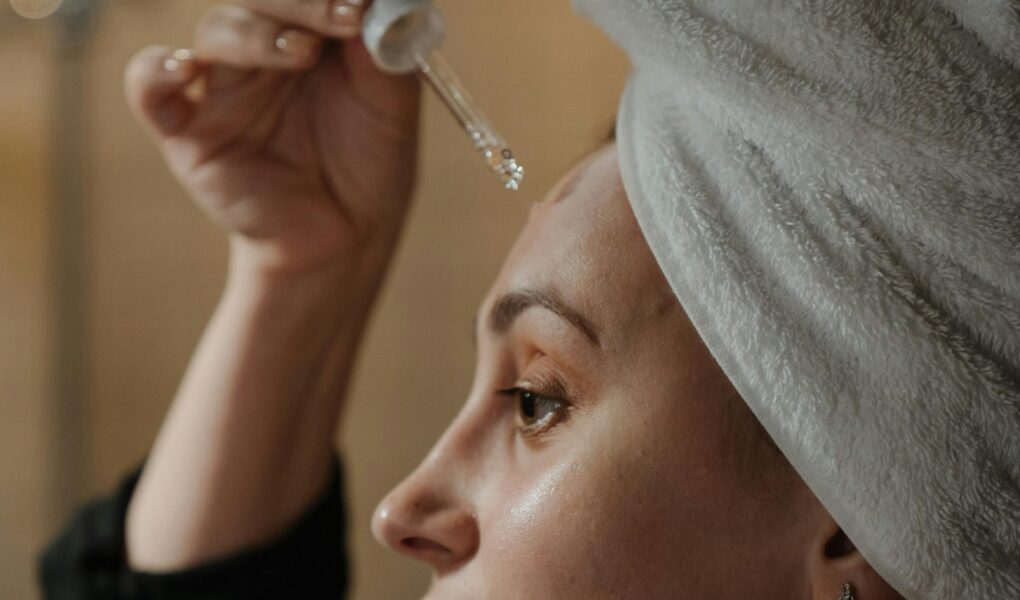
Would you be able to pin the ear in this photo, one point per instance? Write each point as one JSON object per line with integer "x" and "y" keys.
{"x": 835, "y": 560}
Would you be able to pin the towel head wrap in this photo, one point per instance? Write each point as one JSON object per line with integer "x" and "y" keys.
{"x": 832, "y": 189}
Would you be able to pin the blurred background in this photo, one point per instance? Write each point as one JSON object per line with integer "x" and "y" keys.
{"x": 108, "y": 273}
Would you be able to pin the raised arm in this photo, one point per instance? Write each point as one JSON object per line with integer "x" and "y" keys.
{"x": 281, "y": 129}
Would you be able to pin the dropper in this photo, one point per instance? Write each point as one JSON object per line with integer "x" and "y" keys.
{"x": 402, "y": 36}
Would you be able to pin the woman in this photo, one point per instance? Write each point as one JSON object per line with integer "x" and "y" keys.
{"x": 602, "y": 452}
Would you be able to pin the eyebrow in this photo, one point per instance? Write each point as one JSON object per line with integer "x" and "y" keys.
{"x": 509, "y": 306}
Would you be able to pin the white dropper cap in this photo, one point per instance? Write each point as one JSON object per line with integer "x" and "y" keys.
{"x": 397, "y": 32}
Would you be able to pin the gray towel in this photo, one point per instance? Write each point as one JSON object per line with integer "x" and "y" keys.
{"x": 832, "y": 188}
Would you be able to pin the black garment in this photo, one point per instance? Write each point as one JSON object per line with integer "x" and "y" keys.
{"x": 307, "y": 562}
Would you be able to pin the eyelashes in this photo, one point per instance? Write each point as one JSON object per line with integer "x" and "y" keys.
{"x": 537, "y": 412}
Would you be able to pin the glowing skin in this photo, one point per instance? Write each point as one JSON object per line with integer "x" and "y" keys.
{"x": 642, "y": 487}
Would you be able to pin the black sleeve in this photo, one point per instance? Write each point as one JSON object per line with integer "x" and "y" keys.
{"x": 308, "y": 561}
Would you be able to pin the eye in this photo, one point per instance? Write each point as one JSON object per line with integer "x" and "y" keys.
{"x": 536, "y": 413}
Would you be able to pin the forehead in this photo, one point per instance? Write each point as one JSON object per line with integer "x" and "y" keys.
{"x": 584, "y": 242}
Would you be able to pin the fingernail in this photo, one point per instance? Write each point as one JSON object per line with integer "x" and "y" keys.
{"x": 346, "y": 13}
{"x": 178, "y": 60}
{"x": 295, "y": 43}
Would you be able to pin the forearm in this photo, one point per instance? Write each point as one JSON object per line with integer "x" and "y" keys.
{"x": 247, "y": 442}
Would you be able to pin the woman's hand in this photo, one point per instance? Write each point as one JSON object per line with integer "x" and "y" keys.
{"x": 283, "y": 131}
{"x": 305, "y": 153}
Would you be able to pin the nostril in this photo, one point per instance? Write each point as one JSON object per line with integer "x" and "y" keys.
{"x": 417, "y": 544}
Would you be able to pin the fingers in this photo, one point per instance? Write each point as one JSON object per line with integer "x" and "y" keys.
{"x": 233, "y": 43}
{"x": 331, "y": 18}
{"x": 237, "y": 37}
{"x": 154, "y": 83}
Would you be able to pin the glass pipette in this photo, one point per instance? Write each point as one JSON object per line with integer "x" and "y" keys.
{"x": 402, "y": 36}
{"x": 435, "y": 70}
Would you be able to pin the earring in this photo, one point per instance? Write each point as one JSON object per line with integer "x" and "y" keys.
{"x": 848, "y": 593}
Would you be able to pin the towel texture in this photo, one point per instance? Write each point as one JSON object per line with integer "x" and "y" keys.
{"x": 832, "y": 188}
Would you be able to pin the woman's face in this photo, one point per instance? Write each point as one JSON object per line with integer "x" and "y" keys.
{"x": 601, "y": 452}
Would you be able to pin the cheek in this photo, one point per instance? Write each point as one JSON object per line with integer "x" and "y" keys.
{"x": 591, "y": 515}
{"x": 625, "y": 500}
{"x": 534, "y": 534}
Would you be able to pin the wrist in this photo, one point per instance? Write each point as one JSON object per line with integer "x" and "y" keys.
{"x": 332, "y": 299}
{"x": 353, "y": 271}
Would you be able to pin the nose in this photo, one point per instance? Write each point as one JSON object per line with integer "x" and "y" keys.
{"x": 425, "y": 519}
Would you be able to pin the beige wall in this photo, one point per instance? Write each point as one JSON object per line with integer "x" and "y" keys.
{"x": 547, "y": 78}
{"x": 24, "y": 305}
